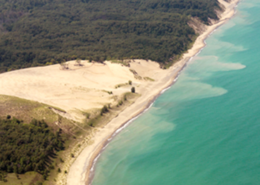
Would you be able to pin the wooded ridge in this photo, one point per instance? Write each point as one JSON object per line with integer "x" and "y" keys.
{"x": 28, "y": 147}
{"x": 40, "y": 32}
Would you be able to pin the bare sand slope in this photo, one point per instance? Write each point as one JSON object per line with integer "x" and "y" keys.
{"x": 79, "y": 88}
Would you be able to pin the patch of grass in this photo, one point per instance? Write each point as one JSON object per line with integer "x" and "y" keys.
{"x": 123, "y": 102}
{"x": 108, "y": 92}
{"x": 148, "y": 79}
{"x": 104, "y": 110}
{"x": 94, "y": 121}
{"x": 123, "y": 62}
{"x": 121, "y": 85}
{"x": 25, "y": 109}
{"x": 136, "y": 75}
{"x": 87, "y": 115}
{"x": 25, "y": 179}
{"x": 133, "y": 71}
{"x": 58, "y": 109}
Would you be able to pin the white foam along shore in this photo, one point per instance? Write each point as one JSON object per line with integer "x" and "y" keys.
{"x": 81, "y": 171}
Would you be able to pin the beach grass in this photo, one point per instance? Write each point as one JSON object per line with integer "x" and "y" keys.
{"x": 25, "y": 179}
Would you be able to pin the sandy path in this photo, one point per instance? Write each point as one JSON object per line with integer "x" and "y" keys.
{"x": 79, "y": 171}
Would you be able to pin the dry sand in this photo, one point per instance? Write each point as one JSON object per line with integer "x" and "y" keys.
{"x": 80, "y": 169}
{"x": 79, "y": 89}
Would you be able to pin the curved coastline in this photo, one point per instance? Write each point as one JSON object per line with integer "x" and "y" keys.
{"x": 82, "y": 170}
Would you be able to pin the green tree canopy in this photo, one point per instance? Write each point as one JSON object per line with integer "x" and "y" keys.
{"x": 36, "y": 32}
{"x": 27, "y": 147}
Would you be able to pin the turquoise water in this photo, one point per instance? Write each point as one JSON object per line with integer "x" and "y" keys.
{"x": 205, "y": 130}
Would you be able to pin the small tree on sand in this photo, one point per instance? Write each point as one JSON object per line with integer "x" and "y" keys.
{"x": 78, "y": 61}
{"x": 133, "y": 89}
{"x": 64, "y": 65}
{"x": 104, "y": 110}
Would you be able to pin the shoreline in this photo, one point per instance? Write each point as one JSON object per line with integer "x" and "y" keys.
{"x": 94, "y": 159}
{"x": 82, "y": 170}
{"x": 102, "y": 145}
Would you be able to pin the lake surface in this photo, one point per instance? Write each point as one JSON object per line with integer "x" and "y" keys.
{"x": 204, "y": 130}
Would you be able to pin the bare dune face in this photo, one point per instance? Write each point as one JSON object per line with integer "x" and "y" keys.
{"x": 79, "y": 88}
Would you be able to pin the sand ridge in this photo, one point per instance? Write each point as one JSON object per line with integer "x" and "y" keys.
{"x": 80, "y": 88}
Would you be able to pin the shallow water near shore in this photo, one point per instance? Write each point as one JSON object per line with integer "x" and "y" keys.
{"x": 204, "y": 130}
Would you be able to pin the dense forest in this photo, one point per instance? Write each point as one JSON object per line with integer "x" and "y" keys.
{"x": 40, "y": 32}
{"x": 27, "y": 147}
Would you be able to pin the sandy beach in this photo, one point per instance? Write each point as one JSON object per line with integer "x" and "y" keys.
{"x": 81, "y": 168}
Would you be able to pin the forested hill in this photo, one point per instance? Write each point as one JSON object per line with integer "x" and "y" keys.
{"x": 39, "y": 32}
{"x": 28, "y": 147}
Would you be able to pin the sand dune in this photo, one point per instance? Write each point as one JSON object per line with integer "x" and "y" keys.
{"x": 79, "y": 88}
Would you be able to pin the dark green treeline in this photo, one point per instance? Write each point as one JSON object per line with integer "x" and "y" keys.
{"x": 36, "y": 32}
{"x": 28, "y": 147}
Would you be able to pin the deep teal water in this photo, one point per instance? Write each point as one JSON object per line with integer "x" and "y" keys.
{"x": 205, "y": 130}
